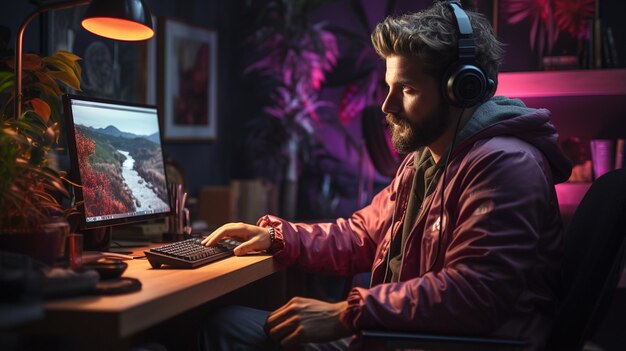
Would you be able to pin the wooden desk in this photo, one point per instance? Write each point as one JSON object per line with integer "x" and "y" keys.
{"x": 165, "y": 293}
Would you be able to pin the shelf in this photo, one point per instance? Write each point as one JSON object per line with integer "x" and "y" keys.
{"x": 583, "y": 103}
{"x": 562, "y": 83}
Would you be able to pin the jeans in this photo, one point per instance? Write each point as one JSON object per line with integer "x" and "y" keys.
{"x": 238, "y": 328}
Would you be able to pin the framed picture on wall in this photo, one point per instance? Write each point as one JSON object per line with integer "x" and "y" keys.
{"x": 111, "y": 69}
{"x": 189, "y": 81}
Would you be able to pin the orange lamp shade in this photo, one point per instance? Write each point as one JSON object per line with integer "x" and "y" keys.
{"x": 118, "y": 29}
{"x": 127, "y": 20}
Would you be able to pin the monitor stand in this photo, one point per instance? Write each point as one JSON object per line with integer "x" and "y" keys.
{"x": 98, "y": 239}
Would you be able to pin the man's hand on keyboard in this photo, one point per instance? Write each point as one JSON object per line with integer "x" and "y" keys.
{"x": 253, "y": 238}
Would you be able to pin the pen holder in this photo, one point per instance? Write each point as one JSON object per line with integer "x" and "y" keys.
{"x": 178, "y": 224}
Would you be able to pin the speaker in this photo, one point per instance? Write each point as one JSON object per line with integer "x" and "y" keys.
{"x": 464, "y": 83}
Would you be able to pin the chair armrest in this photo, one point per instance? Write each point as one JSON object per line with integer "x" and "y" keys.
{"x": 370, "y": 339}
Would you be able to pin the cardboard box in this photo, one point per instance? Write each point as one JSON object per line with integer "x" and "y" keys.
{"x": 243, "y": 201}
{"x": 216, "y": 205}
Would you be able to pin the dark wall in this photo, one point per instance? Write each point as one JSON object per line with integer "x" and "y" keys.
{"x": 202, "y": 163}
{"x": 207, "y": 163}
{"x": 242, "y": 98}
{"x": 14, "y": 17}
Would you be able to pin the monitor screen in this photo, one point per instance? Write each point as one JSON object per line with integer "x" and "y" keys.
{"x": 117, "y": 159}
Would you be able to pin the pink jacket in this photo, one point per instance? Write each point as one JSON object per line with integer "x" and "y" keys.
{"x": 494, "y": 270}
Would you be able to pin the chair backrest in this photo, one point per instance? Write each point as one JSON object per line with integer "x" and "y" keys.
{"x": 593, "y": 260}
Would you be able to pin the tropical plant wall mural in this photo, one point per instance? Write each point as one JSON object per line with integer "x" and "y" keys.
{"x": 315, "y": 72}
{"x": 566, "y": 34}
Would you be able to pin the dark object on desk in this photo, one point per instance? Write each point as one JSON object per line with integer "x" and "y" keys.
{"x": 117, "y": 286}
{"x": 595, "y": 249}
{"x": 67, "y": 282}
{"x": 107, "y": 268}
{"x": 189, "y": 253}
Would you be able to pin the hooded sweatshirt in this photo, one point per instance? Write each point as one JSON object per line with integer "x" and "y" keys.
{"x": 484, "y": 262}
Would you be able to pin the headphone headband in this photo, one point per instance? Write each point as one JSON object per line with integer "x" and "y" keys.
{"x": 463, "y": 23}
{"x": 465, "y": 84}
{"x": 467, "y": 47}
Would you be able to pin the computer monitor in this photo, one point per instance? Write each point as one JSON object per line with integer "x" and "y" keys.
{"x": 117, "y": 159}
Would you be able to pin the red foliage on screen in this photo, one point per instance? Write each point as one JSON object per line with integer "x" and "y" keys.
{"x": 96, "y": 186}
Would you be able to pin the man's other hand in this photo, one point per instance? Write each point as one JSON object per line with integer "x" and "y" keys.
{"x": 304, "y": 320}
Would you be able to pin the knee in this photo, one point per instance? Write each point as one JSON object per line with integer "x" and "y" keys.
{"x": 231, "y": 328}
{"x": 221, "y": 321}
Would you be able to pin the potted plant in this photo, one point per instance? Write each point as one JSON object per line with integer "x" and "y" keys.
{"x": 32, "y": 217}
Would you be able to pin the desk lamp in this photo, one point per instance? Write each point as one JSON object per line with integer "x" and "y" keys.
{"x": 127, "y": 20}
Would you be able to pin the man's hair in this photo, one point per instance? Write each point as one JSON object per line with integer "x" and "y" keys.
{"x": 432, "y": 35}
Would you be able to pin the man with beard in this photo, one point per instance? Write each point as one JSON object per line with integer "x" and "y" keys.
{"x": 466, "y": 238}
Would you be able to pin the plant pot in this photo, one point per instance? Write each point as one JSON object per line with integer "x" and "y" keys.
{"x": 45, "y": 246}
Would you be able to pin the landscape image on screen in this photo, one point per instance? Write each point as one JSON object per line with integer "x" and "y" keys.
{"x": 121, "y": 172}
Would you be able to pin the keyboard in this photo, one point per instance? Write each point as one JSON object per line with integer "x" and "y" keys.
{"x": 189, "y": 253}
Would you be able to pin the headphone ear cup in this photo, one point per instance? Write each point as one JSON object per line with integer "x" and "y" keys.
{"x": 464, "y": 85}
{"x": 491, "y": 89}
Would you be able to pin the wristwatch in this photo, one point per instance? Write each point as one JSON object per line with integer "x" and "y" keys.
{"x": 276, "y": 244}
{"x": 272, "y": 232}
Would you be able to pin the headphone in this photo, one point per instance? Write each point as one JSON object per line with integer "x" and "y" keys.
{"x": 464, "y": 83}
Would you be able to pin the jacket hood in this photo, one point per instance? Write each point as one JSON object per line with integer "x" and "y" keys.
{"x": 504, "y": 116}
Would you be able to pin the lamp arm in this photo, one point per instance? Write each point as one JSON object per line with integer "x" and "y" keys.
{"x": 18, "y": 44}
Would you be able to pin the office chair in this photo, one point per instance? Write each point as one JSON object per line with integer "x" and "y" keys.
{"x": 595, "y": 248}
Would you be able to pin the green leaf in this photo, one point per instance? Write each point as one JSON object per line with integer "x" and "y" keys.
{"x": 7, "y": 81}
{"x": 66, "y": 55}
{"x": 47, "y": 81}
{"x": 62, "y": 62}
{"x": 7, "y": 108}
{"x": 28, "y": 186}
{"x": 67, "y": 78}
{"x": 47, "y": 90}
{"x": 57, "y": 64}
{"x": 30, "y": 126}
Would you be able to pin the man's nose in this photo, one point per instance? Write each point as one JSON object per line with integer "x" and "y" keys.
{"x": 391, "y": 104}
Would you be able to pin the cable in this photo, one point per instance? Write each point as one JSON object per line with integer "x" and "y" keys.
{"x": 443, "y": 188}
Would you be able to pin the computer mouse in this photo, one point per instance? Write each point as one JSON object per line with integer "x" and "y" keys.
{"x": 107, "y": 268}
